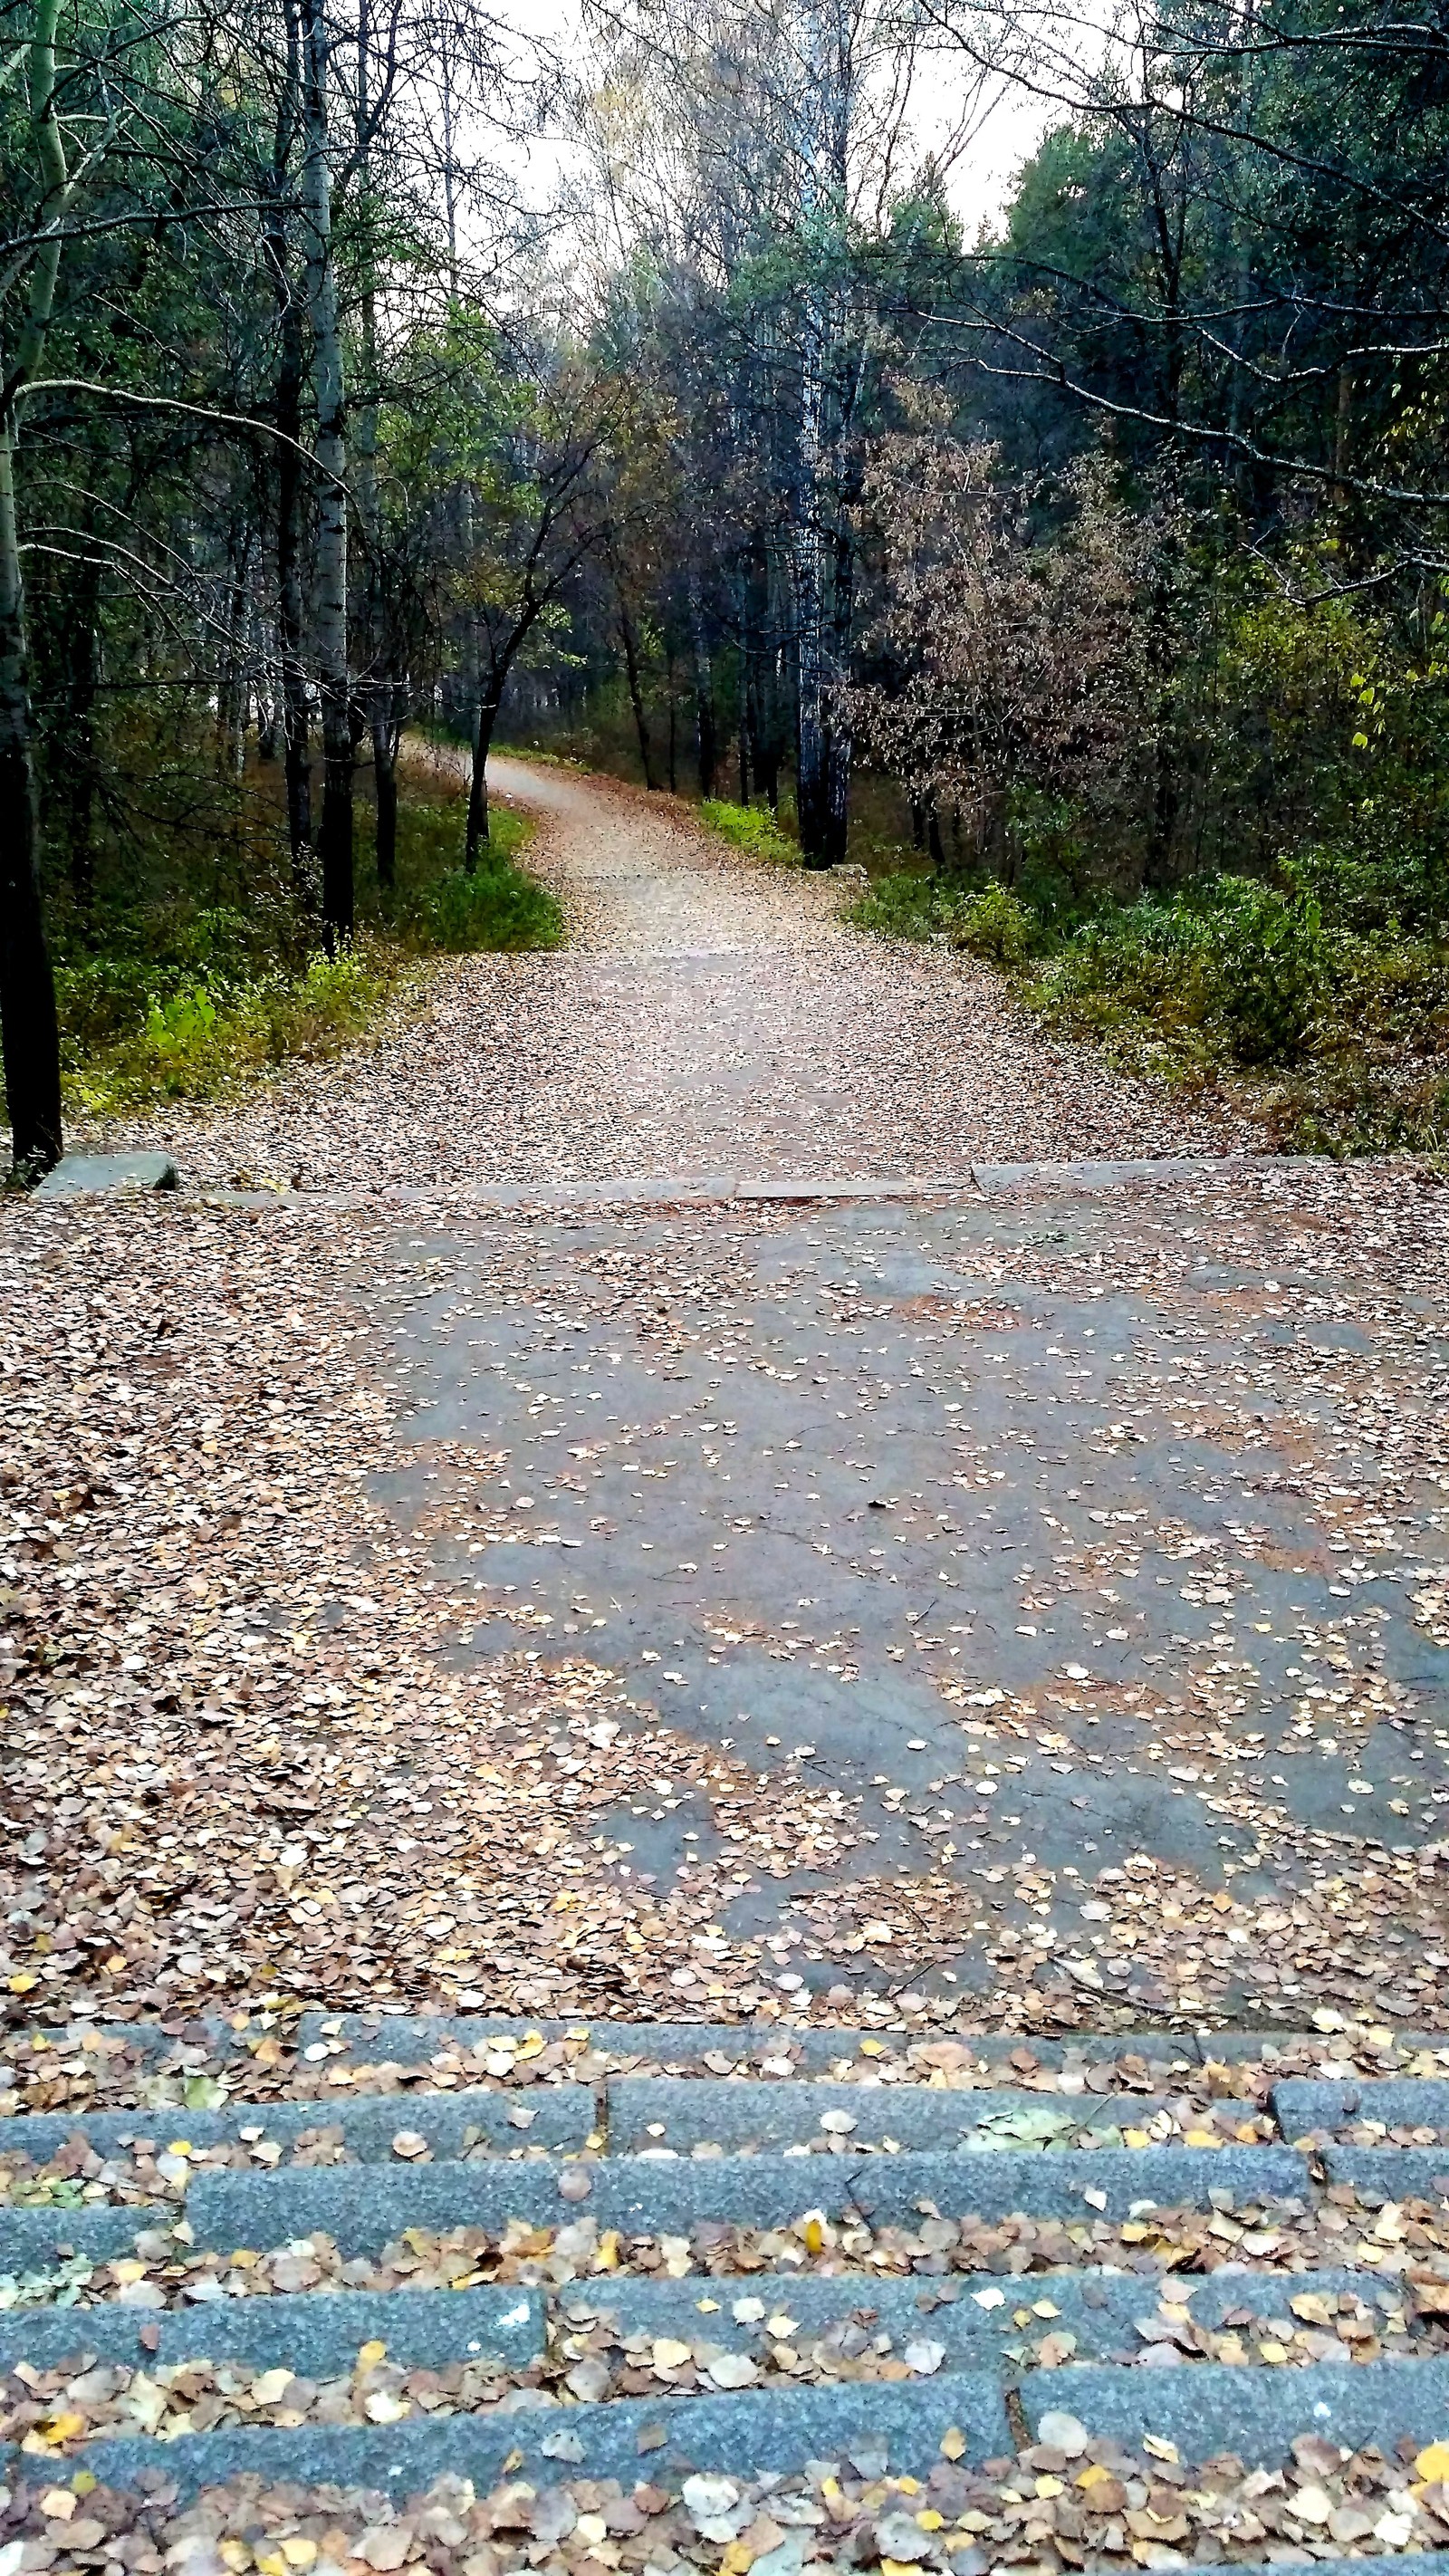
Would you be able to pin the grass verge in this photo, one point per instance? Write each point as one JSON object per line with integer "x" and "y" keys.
{"x": 751, "y": 828}
{"x": 1318, "y": 1005}
{"x": 170, "y": 1002}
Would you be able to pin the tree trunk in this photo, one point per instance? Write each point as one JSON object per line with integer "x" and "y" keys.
{"x": 287, "y": 402}
{"x": 705, "y": 741}
{"x": 636, "y": 694}
{"x": 27, "y": 985}
{"x": 291, "y": 612}
{"x": 329, "y": 589}
{"x": 71, "y": 776}
{"x": 477, "y": 836}
{"x": 29, "y": 1029}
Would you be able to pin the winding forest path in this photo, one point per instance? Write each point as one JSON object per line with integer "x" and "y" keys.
{"x": 709, "y": 1017}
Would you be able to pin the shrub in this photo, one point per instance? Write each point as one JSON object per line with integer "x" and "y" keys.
{"x": 751, "y": 828}
{"x": 901, "y": 906}
{"x": 501, "y": 907}
{"x": 1263, "y": 966}
{"x": 991, "y": 923}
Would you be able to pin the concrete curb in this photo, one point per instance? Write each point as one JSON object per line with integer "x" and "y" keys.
{"x": 1219, "y": 2406}
{"x": 561, "y": 2117}
{"x": 730, "y": 1190}
{"x": 742, "y": 2115}
{"x": 318, "y": 2338}
{"x": 363, "y": 2211}
{"x": 737, "y": 2436}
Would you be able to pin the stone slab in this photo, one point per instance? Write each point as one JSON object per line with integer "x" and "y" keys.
{"x": 556, "y": 2116}
{"x": 1257, "y": 2414}
{"x": 1090, "y": 1173}
{"x": 651, "y": 2115}
{"x": 362, "y": 2211}
{"x": 739, "y": 2436}
{"x": 318, "y": 2338}
{"x": 978, "y": 2321}
{"x": 413, "y": 2039}
{"x": 30, "y": 2239}
{"x": 1252, "y": 2047}
{"x": 1301, "y": 2105}
{"x": 1391, "y": 2173}
{"x": 85, "y": 1175}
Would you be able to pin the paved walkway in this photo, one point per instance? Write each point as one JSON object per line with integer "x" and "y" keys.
{"x": 1024, "y": 1603}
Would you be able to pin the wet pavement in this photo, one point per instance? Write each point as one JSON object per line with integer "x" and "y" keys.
{"x": 1061, "y": 1527}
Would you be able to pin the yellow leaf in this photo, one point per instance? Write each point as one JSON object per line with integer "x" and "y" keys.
{"x": 814, "y": 2235}
{"x": 930, "y": 2520}
{"x": 1160, "y": 2448}
{"x": 126, "y": 2270}
{"x": 298, "y": 2550}
{"x": 953, "y": 2443}
{"x": 606, "y": 2258}
{"x": 1050, "y": 2487}
{"x": 370, "y": 2354}
{"x": 63, "y": 2428}
{"x": 1432, "y": 2465}
{"x": 1135, "y": 2138}
{"x": 1272, "y": 2352}
{"x": 737, "y": 2558}
{"x": 872, "y": 2048}
{"x": 84, "y": 2483}
{"x": 22, "y": 1984}
{"x": 1200, "y": 2138}
{"x": 1093, "y": 2475}
{"x": 532, "y": 2046}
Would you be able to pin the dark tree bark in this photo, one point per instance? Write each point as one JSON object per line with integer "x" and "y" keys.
{"x": 705, "y": 738}
{"x": 27, "y": 984}
{"x": 29, "y": 1029}
{"x": 636, "y": 694}
{"x": 477, "y": 834}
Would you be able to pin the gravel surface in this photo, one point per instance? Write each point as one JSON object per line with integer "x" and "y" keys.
{"x": 711, "y": 1016}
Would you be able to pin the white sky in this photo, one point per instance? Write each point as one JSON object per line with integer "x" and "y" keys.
{"x": 1006, "y": 136}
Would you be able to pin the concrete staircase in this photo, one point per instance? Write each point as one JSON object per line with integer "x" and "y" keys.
{"x": 488, "y": 2249}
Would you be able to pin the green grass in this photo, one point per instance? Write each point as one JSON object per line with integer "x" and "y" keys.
{"x": 172, "y": 1003}
{"x": 1317, "y": 1004}
{"x": 751, "y": 828}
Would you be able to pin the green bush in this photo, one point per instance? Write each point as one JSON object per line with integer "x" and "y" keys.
{"x": 1263, "y": 965}
{"x": 993, "y": 924}
{"x": 751, "y": 828}
{"x": 501, "y": 907}
{"x": 900, "y": 906}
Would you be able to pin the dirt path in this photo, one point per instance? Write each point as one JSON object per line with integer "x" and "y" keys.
{"x": 710, "y": 1017}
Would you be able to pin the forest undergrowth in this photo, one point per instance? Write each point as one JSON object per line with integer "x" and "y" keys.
{"x": 179, "y": 983}
{"x": 1318, "y": 1002}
